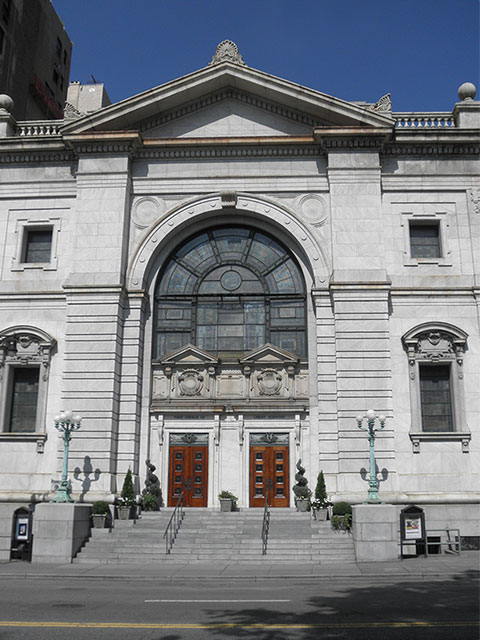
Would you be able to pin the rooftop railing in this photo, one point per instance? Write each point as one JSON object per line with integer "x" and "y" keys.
{"x": 419, "y": 120}
{"x": 404, "y": 120}
{"x": 39, "y": 128}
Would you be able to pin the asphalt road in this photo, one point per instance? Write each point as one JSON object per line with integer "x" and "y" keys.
{"x": 283, "y": 609}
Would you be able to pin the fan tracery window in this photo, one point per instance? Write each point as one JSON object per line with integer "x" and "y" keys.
{"x": 230, "y": 290}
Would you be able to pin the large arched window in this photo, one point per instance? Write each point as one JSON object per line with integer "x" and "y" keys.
{"x": 228, "y": 291}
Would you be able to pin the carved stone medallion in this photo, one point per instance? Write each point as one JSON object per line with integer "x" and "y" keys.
{"x": 269, "y": 382}
{"x": 146, "y": 211}
{"x": 190, "y": 383}
{"x": 313, "y": 209}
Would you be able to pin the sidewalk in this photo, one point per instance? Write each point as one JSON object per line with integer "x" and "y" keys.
{"x": 445, "y": 566}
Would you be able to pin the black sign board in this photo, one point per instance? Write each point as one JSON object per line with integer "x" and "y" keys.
{"x": 412, "y": 528}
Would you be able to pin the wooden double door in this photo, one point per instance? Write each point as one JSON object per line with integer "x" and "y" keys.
{"x": 188, "y": 475}
{"x": 269, "y": 476}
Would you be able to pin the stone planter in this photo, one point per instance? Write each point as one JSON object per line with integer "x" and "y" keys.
{"x": 99, "y": 521}
{"x": 124, "y": 513}
{"x": 226, "y": 505}
{"x": 302, "y": 505}
{"x": 320, "y": 514}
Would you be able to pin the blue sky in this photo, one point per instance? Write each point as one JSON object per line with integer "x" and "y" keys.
{"x": 420, "y": 51}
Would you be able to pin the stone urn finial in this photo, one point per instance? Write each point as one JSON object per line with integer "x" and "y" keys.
{"x": 6, "y": 103}
{"x": 467, "y": 91}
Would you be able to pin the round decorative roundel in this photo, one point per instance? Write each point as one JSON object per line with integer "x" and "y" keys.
{"x": 231, "y": 280}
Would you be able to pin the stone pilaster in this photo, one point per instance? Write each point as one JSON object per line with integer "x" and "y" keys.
{"x": 326, "y": 387}
{"x": 91, "y": 383}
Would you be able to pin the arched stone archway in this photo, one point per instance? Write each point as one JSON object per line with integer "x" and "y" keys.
{"x": 258, "y": 211}
{"x": 235, "y": 392}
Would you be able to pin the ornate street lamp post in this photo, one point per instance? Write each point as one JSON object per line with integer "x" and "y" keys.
{"x": 370, "y": 429}
{"x": 66, "y": 423}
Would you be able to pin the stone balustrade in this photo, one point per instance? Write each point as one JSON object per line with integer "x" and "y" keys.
{"x": 39, "y": 128}
{"x": 419, "y": 120}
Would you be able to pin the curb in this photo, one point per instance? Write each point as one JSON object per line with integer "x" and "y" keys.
{"x": 310, "y": 578}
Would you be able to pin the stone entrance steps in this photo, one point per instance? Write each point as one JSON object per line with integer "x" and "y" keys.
{"x": 208, "y": 536}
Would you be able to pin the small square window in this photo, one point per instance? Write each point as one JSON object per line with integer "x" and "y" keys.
{"x": 425, "y": 240}
{"x": 38, "y": 245}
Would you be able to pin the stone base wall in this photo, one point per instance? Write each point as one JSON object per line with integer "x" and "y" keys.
{"x": 59, "y": 531}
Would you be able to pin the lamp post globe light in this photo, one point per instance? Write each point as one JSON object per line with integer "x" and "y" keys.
{"x": 66, "y": 423}
{"x": 370, "y": 430}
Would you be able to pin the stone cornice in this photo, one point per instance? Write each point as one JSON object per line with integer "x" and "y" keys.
{"x": 35, "y": 155}
{"x": 432, "y": 148}
{"x": 104, "y": 142}
{"x": 229, "y": 147}
{"x": 352, "y": 137}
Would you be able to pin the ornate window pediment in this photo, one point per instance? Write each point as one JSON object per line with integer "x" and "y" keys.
{"x": 26, "y": 346}
{"x": 25, "y": 355}
{"x": 435, "y": 343}
{"x": 269, "y": 353}
{"x": 189, "y": 354}
{"x": 435, "y": 358}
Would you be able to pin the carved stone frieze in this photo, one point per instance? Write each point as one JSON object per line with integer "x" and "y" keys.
{"x": 266, "y": 374}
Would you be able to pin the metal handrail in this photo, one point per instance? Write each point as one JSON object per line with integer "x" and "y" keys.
{"x": 265, "y": 527}
{"x": 457, "y": 543}
{"x": 174, "y": 524}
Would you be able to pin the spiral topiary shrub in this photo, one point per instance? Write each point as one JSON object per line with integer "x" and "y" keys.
{"x": 152, "y": 494}
{"x": 301, "y": 491}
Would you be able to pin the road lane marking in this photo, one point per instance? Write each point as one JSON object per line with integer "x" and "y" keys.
{"x": 233, "y": 625}
{"x": 183, "y": 601}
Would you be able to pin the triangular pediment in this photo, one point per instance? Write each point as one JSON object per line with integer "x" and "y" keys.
{"x": 269, "y": 354}
{"x": 189, "y": 354}
{"x": 234, "y": 96}
{"x": 226, "y": 115}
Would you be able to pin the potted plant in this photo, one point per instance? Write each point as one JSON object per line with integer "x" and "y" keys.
{"x": 126, "y": 502}
{"x": 320, "y": 504}
{"x": 100, "y": 513}
{"x": 228, "y": 501}
{"x": 342, "y": 516}
{"x": 152, "y": 494}
{"x": 301, "y": 491}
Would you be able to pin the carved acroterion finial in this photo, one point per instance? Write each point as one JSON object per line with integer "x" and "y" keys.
{"x": 227, "y": 51}
{"x": 384, "y": 105}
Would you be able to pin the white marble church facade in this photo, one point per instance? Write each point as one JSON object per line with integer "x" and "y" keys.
{"x": 221, "y": 273}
